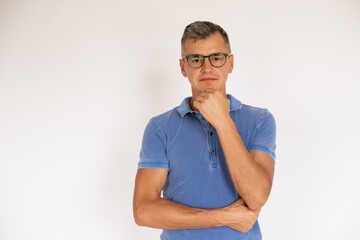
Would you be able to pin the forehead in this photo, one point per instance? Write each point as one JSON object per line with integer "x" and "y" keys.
{"x": 213, "y": 44}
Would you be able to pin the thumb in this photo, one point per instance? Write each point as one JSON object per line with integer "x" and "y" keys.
{"x": 196, "y": 104}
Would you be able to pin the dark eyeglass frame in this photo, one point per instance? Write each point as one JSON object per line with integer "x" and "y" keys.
{"x": 197, "y": 55}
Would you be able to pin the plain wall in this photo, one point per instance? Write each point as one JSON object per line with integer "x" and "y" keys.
{"x": 79, "y": 80}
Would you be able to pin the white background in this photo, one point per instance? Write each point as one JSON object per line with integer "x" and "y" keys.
{"x": 79, "y": 80}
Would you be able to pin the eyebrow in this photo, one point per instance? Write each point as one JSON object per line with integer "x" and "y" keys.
{"x": 196, "y": 54}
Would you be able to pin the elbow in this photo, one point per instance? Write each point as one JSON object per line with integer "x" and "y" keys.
{"x": 144, "y": 212}
{"x": 255, "y": 205}
{"x": 139, "y": 216}
{"x": 138, "y": 220}
{"x": 258, "y": 199}
{"x": 258, "y": 202}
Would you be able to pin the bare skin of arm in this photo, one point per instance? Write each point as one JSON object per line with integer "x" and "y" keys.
{"x": 251, "y": 171}
{"x": 151, "y": 210}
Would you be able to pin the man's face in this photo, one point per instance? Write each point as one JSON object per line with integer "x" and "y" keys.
{"x": 206, "y": 76}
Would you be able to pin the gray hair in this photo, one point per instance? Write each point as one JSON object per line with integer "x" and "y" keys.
{"x": 201, "y": 30}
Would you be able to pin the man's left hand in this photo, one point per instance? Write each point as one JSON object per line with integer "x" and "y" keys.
{"x": 214, "y": 106}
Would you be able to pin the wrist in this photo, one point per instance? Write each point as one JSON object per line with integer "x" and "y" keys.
{"x": 224, "y": 125}
{"x": 219, "y": 217}
{"x": 223, "y": 216}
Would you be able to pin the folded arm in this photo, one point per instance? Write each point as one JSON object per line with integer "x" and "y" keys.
{"x": 251, "y": 172}
{"x": 153, "y": 211}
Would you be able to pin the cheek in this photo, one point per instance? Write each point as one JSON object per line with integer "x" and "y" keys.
{"x": 191, "y": 74}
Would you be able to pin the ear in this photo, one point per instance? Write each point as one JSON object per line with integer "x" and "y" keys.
{"x": 231, "y": 61}
{"x": 182, "y": 67}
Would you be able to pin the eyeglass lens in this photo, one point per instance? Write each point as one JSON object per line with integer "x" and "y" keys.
{"x": 217, "y": 60}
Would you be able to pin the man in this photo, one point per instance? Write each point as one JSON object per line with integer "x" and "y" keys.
{"x": 213, "y": 157}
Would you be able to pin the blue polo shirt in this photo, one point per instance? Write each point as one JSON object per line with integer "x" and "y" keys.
{"x": 184, "y": 143}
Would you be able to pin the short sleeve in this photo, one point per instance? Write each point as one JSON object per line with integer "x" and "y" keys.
{"x": 153, "y": 147}
{"x": 265, "y": 136}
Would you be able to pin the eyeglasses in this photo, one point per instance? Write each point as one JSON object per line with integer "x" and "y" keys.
{"x": 216, "y": 59}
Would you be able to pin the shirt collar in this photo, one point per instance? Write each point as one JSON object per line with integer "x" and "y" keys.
{"x": 184, "y": 107}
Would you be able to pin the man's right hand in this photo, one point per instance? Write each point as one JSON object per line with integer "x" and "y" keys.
{"x": 241, "y": 217}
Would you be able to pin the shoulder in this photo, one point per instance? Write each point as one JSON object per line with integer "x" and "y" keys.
{"x": 167, "y": 117}
{"x": 240, "y": 110}
{"x": 254, "y": 110}
{"x": 166, "y": 121}
{"x": 252, "y": 114}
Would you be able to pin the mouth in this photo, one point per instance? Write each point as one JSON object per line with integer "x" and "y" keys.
{"x": 207, "y": 79}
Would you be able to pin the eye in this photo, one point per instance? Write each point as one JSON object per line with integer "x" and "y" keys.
{"x": 217, "y": 57}
{"x": 195, "y": 59}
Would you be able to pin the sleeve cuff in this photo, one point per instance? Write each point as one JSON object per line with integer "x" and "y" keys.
{"x": 153, "y": 165}
{"x": 262, "y": 149}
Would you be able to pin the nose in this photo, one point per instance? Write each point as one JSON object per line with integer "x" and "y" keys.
{"x": 206, "y": 67}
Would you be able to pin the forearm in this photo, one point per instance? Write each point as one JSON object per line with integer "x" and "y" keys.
{"x": 165, "y": 214}
{"x": 249, "y": 178}
{"x": 153, "y": 211}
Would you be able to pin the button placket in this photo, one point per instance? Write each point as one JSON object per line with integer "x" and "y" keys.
{"x": 211, "y": 140}
{"x": 203, "y": 120}
{"x": 212, "y": 145}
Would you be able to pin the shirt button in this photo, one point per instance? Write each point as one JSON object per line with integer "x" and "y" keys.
{"x": 212, "y": 151}
{"x": 211, "y": 133}
{"x": 202, "y": 119}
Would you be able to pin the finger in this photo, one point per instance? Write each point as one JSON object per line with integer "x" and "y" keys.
{"x": 204, "y": 94}
{"x": 196, "y": 104}
{"x": 200, "y": 99}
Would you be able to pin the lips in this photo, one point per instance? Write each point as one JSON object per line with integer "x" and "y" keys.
{"x": 207, "y": 79}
